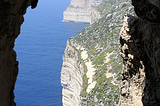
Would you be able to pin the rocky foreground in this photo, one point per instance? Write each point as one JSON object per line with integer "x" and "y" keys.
{"x": 11, "y": 18}
{"x": 140, "y": 51}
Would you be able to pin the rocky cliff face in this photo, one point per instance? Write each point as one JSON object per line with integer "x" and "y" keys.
{"x": 11, "y": 18}
{"x": 139, "y": 47}
{"x": 96, "y": 51}
{"x": 71, "y": 77}
{"x": 80, "y": 10}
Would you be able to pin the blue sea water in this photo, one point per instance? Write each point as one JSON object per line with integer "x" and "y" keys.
{"x": 40, "y": 48}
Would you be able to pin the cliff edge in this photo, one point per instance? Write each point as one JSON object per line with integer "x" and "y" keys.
{"x": 71, "y": 76}
{"x": 11, "y": 18}
{"x": 81, "y": 10}
{"x": 140, "y": 51}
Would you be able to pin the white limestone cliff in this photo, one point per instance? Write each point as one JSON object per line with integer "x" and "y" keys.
{"x": 71, "y": 77}
{"x": 81, "y": 10}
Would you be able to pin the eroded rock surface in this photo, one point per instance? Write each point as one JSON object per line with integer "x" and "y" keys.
{"x": 11, "y": 18}
{"x": 71, "y": 77}
{"x": 140, "y": 51}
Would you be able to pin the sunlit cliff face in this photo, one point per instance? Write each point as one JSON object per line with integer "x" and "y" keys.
{"x": 85, "y": 3}
{"x": 80, "y": 10}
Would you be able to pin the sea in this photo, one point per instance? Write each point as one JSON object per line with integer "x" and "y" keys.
{"x": 40, "y": 48}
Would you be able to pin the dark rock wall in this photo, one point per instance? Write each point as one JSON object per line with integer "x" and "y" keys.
{"x": 11, "y": 18}
{"x": 140, "y": 51}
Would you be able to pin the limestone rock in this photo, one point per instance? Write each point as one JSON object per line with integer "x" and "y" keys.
{"x": 11, "y": 18}
{"x": 139, "y": 49}
{"x": 108, "y": 16}
{"x": 94, "y": 16}
{"x": 80, "y": 10}
{"x": 71, "y": 77}
{"x": 133, "y": 81}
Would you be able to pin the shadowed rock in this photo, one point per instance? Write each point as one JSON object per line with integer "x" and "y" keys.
{"x": 140, "y": 52}
{"x": 147, "y": 9}
{"x": 34, "y": 3}
{"x": 11, "y": 18}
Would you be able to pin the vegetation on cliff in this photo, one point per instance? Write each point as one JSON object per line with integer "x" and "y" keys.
{"x": 100, "y": 40}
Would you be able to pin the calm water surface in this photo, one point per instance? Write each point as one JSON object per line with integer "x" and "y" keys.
{"x": 40, "y": 48}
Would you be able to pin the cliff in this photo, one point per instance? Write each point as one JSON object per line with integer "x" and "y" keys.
{"x": 139, "y": 48}
{"x": 71, "y": 77}
{"x": 91, "y": 59}
{"x": 11, "y": 18}
{"x": 81, "y": 10}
